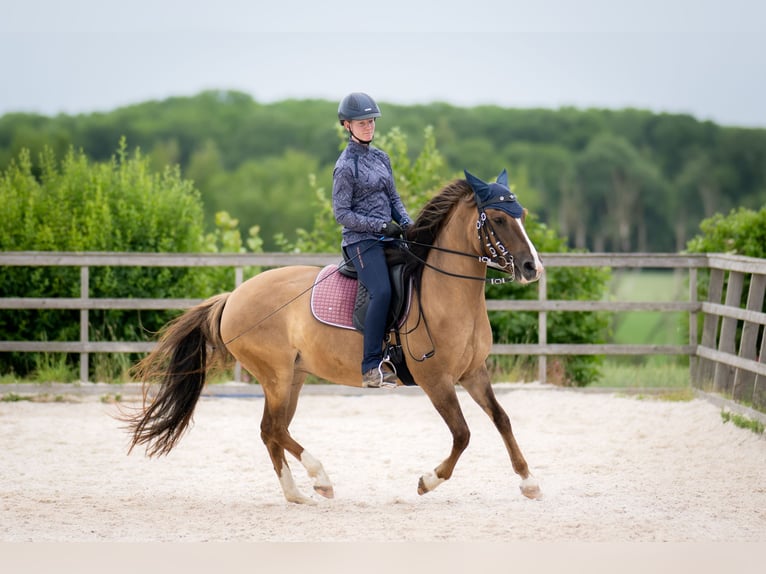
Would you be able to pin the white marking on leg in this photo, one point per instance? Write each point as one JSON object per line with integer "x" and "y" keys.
{"x": 291, "y": 492}
{"x": 316, "y": 471}
{"x": 431, "y": 481}
{"x": 531, "y": 488}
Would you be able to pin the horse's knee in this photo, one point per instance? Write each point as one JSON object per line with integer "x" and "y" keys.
{"x": 461, "y": 439}
{"x": 267, "y": 436}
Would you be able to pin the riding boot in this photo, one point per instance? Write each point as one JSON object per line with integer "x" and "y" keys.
{"x": 382, "y": 376}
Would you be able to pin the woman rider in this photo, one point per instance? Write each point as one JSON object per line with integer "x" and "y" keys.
{"x": 367, "y": 205}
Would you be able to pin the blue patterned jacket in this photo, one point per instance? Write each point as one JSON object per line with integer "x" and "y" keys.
{"x": 364, "y": 195}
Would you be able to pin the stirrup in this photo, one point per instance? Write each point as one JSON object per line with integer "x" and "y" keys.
{"x": 387, "y": 379}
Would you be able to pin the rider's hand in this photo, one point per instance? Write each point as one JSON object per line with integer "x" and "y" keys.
{"x": 391, "y": 229}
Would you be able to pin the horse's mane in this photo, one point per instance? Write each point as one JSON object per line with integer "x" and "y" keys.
{"x": 429, "y": 223}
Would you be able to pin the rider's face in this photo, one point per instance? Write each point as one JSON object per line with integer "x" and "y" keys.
{"x": 362, "y": 129}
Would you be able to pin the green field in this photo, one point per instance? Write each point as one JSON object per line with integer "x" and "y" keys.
{"x": 649, "y": 327}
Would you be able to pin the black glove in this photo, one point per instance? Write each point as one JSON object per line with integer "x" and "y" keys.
{"x": 391, "y": 229}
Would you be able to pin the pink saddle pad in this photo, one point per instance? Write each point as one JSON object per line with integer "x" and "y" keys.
{"x": 333, "y": 297}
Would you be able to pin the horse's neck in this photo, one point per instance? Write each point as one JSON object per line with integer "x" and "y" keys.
{"x": 454, "y": 282}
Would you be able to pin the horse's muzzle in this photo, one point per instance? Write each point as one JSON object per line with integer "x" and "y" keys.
{"x": 530, "y": 270}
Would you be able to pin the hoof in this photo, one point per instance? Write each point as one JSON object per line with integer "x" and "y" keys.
{"x": 531, "y": 489}
{"x": 428, "y": 482}
{"x": 326, "y": 491}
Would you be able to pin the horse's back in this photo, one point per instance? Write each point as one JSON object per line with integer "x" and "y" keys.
{"x": 268, "y": 299}
{"x": 267, "y": 324}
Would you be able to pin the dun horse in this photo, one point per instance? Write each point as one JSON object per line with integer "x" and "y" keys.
{"x": 267, "y": 325}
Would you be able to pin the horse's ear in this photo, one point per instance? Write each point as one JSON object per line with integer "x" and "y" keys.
{"x": 502, "y": 179}
{"x": 479, "y": 187}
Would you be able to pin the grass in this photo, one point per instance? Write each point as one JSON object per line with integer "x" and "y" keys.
{"x": 651, "y": 373}
{"x": 648, "y": 327}
{"x": 37, "y": 398}
{"x": 742, "y": 421}
{"x": 14, "y": 398}
{"x": 53, "y": 367}
{"x": 9, "y": 378}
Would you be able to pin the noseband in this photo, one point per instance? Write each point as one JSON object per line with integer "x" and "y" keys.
{"x": 499, "y": 257}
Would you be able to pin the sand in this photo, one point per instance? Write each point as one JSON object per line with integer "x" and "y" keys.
{"x": 612, "y": 469}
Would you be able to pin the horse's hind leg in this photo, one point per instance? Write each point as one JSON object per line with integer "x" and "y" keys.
{"x": 279, "y": 408}
{"x": 314, "y": 468}
{"x": 479, "y": 387}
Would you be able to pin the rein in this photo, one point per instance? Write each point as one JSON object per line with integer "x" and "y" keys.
{"x": 486, "y": 235}
{"x": 502, "y": 260}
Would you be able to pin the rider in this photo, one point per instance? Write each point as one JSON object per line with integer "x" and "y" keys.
{"x": 367, "y": 205}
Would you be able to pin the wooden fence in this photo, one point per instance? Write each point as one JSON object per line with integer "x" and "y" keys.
{"x": 716, "y": 364}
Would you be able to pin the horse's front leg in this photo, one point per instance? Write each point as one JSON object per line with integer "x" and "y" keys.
{"x": 447, "y": 405}
{"x": 479, "y": 387}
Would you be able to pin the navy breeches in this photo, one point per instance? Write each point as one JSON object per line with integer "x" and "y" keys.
{"x": 371, "y": 267}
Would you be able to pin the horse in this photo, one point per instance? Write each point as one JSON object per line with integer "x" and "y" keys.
{"x": 266, "y": 324}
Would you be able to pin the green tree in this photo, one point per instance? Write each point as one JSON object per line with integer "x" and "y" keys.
{"x": 616, "y": 186}
{"x": 725, "y": 165}
{"x": 272, "y": 193}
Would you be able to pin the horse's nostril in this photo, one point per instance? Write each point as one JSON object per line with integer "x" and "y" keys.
{"x": 529, "y": 269}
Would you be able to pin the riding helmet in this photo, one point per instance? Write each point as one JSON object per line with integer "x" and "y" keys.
{"x": 357, "y": 106}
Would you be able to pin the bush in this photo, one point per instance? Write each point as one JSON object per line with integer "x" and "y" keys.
{"x": 119, "y": 205}
{"x": 742, "y": 232}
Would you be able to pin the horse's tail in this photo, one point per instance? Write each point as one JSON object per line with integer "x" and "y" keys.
{"x": 179, "y": 363}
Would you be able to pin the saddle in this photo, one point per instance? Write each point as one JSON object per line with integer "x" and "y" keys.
{"x": 339, "y": 299}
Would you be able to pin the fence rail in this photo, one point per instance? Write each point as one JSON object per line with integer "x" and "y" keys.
{"x": 727, "y": 358}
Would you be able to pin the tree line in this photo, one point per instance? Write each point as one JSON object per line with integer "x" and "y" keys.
{"x": 606, "y": 180}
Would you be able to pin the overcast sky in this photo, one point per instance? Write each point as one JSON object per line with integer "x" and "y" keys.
{"x": 704, "y": 57}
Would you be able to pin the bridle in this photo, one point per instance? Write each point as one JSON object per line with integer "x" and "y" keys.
{"x": 495, "y": 254}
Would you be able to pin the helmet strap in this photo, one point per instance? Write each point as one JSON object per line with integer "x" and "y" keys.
{"x": 352, "y": 135}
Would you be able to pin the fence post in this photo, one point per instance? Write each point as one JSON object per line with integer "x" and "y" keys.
{"x": 744, "y": 381}
{"x": 759, "y": 388}
{"x": 84, "y": 295}
{"x": 706, "y": 367}
{"x": 693, "y": 360}
{"x": 727, "y": 343}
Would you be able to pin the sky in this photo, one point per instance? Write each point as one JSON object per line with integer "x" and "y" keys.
{"x": 706, "y": 58}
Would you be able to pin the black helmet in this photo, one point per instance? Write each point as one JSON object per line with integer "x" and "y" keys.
{"x": 357, "y": 106}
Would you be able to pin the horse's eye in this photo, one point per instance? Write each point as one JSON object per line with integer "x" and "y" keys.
{"x": 498, "y": 220}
